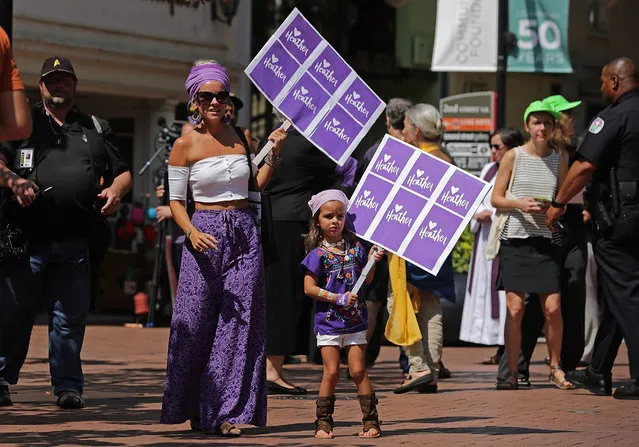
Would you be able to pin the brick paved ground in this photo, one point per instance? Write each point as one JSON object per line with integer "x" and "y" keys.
{"x": 125, "y": 370}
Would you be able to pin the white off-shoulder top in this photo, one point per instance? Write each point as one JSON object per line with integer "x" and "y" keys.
{"x": 212, "y": 179}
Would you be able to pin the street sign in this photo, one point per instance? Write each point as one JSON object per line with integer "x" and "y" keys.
{"x": 469, "y": 119}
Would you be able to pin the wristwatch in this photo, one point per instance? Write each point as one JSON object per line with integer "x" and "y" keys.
{"x": 556, "y": 204}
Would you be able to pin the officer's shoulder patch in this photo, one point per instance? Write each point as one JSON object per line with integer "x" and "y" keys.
{"x": 596, "y": 125}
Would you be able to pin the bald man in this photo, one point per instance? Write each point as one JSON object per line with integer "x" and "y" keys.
{"x": 608, "y": 158}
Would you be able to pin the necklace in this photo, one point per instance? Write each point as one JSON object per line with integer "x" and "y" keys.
{"x": 327, "y": 244}
{"x": 55, "y": 132}
{"x": 344, "y": 253}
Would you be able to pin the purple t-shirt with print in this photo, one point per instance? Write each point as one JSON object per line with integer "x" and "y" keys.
{"x": 331, "y": 319}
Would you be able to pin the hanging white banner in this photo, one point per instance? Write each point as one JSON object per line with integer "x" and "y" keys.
{"x": 466, "y": 36}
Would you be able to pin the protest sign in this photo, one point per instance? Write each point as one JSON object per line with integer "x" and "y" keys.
{"x": 413, "y": 204}
{"x": 301, "y": 74}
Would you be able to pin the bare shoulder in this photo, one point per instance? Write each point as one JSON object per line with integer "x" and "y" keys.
{"x": 181, "y": 150}
{"x": 508, "y": 159}
{"x": 507, "y": 163}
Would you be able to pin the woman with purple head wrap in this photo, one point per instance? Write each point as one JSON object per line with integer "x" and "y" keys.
{"x": 202, "y": 72}
{"x": 216, "y": 362}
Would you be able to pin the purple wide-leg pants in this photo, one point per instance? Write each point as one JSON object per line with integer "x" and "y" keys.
{"x": 216, "y": 368}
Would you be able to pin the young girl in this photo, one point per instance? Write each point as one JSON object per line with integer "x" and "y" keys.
{"x": 334, "y": 263}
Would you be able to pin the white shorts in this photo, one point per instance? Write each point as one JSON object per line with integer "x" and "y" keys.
{"x": 341, "y": 340}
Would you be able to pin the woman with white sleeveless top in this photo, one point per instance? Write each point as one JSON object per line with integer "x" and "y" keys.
{"x": 529, "y": 261}
{"x": 484, "y": 312}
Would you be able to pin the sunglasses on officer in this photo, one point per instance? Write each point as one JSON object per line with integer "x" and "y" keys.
{"x": 222, "y": 97}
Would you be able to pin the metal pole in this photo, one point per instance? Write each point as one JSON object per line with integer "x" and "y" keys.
{"x": 442, "y": 78}
{"x": 160, "y": 252}
{"x": 6, "y": 17}
{"x": 502, "y": 62}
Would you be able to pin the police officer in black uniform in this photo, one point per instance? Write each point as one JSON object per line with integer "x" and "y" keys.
{"x": 55, "y": 177}
{"x": 609, "y": 158}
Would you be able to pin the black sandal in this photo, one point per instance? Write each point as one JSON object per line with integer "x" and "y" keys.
{"x": 272, "y": 387}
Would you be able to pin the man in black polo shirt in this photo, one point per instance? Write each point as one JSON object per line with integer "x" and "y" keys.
{"x": 64, "y": 161}
{"x": 609, "y": 157}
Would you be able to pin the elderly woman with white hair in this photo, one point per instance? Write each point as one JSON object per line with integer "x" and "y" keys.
{"x": 423, "y": 128}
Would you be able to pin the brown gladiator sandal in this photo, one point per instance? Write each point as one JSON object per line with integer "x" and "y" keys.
{"x": 324, "y": 413}
{"x": 370, "y": 418}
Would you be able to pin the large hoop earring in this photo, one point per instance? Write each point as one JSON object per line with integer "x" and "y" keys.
{"x": 193, "y": 111}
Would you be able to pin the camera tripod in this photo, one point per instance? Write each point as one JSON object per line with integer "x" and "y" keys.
{"x": 163, "y": 242}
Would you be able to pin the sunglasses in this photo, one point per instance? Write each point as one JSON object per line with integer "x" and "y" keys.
{"x": 497, "y": 147}
{"x": 221, "y": 97}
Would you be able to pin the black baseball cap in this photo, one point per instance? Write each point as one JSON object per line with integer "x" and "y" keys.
{"x": 57, "y": 63}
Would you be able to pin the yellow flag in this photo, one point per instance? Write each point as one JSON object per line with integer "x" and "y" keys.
{"x": 402, "y": 328}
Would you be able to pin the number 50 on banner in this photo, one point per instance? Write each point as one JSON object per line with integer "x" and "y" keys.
{"x": 541, "y": 28}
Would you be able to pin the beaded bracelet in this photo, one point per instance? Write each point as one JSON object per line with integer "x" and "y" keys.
{"x": 325, "y": 294}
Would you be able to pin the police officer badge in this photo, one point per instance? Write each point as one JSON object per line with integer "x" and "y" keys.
{"x": 596, "y": 125}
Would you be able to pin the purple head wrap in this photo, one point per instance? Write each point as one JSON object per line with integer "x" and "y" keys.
{"x": 321, "y": 198}
{"x": 200, "y": 75}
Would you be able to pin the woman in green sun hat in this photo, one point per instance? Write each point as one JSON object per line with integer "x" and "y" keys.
{"x": 573, "y": 254}
{"x": 529, "y": 177}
